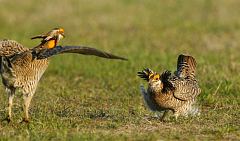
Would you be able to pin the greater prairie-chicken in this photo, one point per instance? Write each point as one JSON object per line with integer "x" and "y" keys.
{"x": 176, "y": 92}
{"x": 21, "y": 68}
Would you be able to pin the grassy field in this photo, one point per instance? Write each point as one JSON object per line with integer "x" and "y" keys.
{"x": 89, "y": 98}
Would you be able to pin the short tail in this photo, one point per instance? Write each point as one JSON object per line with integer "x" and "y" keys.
{"x": 194, "y": 111}
{"x": 186, "y": 66}
{"x": 145, "y": 73}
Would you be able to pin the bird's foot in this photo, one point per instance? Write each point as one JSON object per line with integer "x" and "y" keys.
{"x": 25, "y": 120}
{"x": 162, "y": 119}
{"x": 8, "y": 119}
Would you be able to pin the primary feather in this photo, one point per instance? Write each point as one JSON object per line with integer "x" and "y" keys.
{"x": 79, "y": 50}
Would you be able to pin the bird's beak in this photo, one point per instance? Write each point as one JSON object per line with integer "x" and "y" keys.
{"x": 60, "y": 36}
{"x": 63, "y": 35}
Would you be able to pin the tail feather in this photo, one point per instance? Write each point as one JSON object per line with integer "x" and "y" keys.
{"x": 186, "y": 66}
{"x": 145, "y": 73}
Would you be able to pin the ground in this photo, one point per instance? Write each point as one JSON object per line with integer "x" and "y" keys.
{"x": 89, "y": 98}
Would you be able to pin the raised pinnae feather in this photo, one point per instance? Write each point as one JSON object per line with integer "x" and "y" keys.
{"x": 165, "y": 79}
{"x": 145, "y": 73}
{"x": 165, "y": 76}
{"x": 39, "y": 37}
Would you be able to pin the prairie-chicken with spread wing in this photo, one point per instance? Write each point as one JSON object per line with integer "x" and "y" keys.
{"x": 21, "y": 68}
{"x": 176, "y": 92}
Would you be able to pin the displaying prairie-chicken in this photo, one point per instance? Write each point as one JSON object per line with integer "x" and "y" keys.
{"x": 176, "y": 92}
{"x": 21, "y": 68}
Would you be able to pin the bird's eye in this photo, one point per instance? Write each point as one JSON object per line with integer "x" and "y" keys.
{"x": 156, "y": 78}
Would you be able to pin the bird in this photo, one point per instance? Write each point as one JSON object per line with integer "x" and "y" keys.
{"x": 175, "y": 92}
{"x": 54, "y": 33}
{"x": 21, "y": 68}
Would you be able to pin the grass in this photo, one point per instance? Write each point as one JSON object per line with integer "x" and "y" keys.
{"x": 89, "y": 98}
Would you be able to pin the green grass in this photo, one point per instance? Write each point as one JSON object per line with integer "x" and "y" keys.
{"x": 89, "y": 98}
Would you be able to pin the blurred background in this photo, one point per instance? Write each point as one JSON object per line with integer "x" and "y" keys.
{"x": 151, "y": 34}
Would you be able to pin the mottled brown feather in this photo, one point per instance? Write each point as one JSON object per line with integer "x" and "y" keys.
{"x": 10, "y": 47}
{"x": 21, "y": 68}
{"x": 176, "y": 92}
{"x": 186, "y": 66}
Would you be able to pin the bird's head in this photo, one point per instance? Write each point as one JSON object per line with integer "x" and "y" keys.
{"x": 59, "y": 33}
{"x": 155, "y": 82}
{"x": 53, "y": 37}
{"x": 153, "y": 78}
{"x": 49, "y": 40}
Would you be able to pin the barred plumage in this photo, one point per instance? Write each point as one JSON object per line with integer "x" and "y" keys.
{"x": 10, "y": 47}
{"x": 186, "y": 66}
{"x": 176, "y": 92}
{"x": 21, "y": 68}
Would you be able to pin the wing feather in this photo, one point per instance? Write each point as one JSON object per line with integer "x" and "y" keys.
{"x": 185, "y": 89}
{"x": 77, "y": 49}
{"x": 10, "y": 47}
{"x": 23, "y": 59}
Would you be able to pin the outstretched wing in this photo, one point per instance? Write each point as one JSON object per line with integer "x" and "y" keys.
{"x": 186, "y": 66}
{"x": 10, "y": 47}
{"x": 44, "y": 38}
{"x": 185, "y": 89}
{"x": 77, "y": 49}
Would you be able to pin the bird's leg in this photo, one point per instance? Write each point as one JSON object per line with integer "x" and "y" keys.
{"x": 10, "y": 93}
{"x": 164, "y": 115}
{"x": 157, "y": 114}
{"x": 10, "y": 103}
{"x": 27, "y": 100}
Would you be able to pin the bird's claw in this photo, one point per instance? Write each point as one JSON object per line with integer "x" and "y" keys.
{"x": 25, "y": 120}
{"x": 8, "y": 119}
